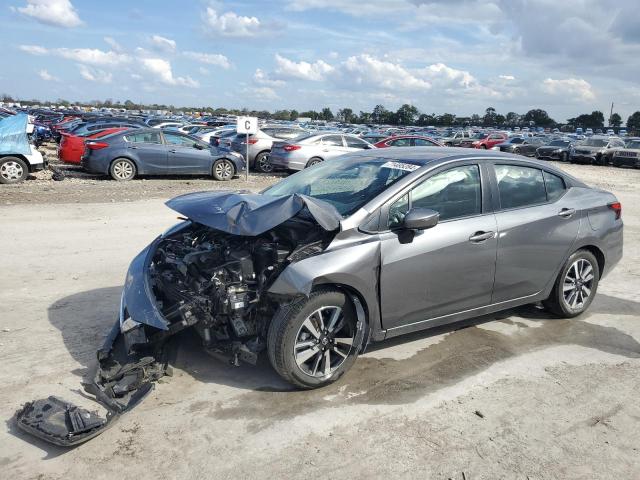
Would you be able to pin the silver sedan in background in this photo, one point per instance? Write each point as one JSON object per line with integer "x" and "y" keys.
{"x": 308, "y": 150}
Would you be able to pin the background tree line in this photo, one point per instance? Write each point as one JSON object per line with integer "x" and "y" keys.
{"x": 407, "y": 114}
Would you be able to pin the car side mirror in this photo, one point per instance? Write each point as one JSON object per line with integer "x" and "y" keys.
{"x": 420, "y": 219}
{"x": 197, "y": 146}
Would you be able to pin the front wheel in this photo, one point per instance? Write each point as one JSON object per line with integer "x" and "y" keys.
{"x": 13, "y": 170}
{"x": 262, "y": 163}
{"x": 564, "y": 157}
{"x": 223, "y": 170}
{"x": 122, "y": 169}
{"x": 575, "y": 286}
{"x": 313, "y": 341}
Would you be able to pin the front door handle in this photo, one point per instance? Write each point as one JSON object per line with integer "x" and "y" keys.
{"x": 481, "y": 236}
{"x": 133, "y": 147}
{"x": 566, "y": 212}
{"x": 172, "y": 151}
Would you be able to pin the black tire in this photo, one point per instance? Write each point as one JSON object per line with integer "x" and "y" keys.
{"x": 313, "y": 161}
{"x": 483, "y": 147}
{"x": 564, "y": 157}
{"x": 13, "y": 170}
{"x": 122, "y": 169}
{"x": 287, "y": 334}
{"x": 557, "y": 303}
{"x": 517, "y": 151}
{"x": 616, "y": 163}
{"x": 262, "y": 163}
{"x": 223, "y": 170}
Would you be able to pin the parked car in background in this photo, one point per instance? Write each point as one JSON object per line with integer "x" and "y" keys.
{"x": 629, "y": 156}
{"x": 71, "y": 147}
{"x": 490, "y": 140}
{"x": 463, "y": 138}
{"x": 521, "y": 146}
{"x": 408, "y": 141}
{"x": 18, "y": 156}
{"x": 555, "y": 150}
{"x": 595, "y": 150}
{"x": 260, "y": 144}
{"x": 311, "y": 149}
{"x": 94, "y": 126}
{"x": 151, "y": 151}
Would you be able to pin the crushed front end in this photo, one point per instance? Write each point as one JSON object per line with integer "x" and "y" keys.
{"x": 193, "y": 276}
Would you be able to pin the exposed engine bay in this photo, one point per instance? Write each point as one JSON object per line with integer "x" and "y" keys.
{"x": 217, "y": 282}
{"x": 193, "y": 276}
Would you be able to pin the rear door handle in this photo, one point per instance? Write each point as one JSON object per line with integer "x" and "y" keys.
{"x": 480, "y": 237}
{"x": 172, "y": 151}
{"x": 133, "y": 147}
{"x": 566, "y": 212}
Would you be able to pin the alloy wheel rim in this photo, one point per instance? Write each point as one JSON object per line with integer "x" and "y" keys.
{"x": 323, "y": 342}
{"x": 265, "y": 164}
{"x": 123, "y": 170}
{"x": 578, "y": 284}
{"x": 11, "y": 170}
{"x": 223, "y": 169}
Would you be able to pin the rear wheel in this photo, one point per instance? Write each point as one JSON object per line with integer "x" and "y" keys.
{"x": 312, "y": 342}
{"x": 12, "y": 170}
{"x": 483, "y": 147}
{"x": 314, "y": 161}
{"x": 223, "y": 170}
{"x": 564, "y": 157}
{"x": 122, "y": 169}
{"x": 575, "y": 286}
{"x": 262, "y": 163}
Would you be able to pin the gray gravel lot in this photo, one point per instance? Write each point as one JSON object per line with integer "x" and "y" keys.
{"x": 518, "y": 395}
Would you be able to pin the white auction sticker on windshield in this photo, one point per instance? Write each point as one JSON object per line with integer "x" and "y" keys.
{"x": 409, "y": 167}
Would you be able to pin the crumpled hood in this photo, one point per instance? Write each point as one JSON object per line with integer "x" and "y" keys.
{"x": 251, "y": 214}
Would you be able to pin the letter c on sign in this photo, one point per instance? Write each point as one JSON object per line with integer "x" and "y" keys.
{"x": 247, "y": 125}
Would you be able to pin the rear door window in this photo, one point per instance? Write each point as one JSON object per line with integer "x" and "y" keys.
{"x": 400, "y": 142}
{"x": 180, "y": 140}
{"x": 146, "y": 137}
{"x": 423, "y": 142}
{"x": 520, "y": 186}
{"x": 332, "y": 140}
{"x": 555, "y": 186}
{"x": 353, "y": 142}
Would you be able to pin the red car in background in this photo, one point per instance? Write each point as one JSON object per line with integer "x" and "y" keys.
{"x": 490, "y": 140}
{"x": 71, "y": 147}
{"x": 408, "y": 141}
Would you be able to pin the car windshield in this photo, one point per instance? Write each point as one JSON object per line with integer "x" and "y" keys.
{"x": 595, "y": 142}
{"x": 516, "y": 140}
{"x": 480, "y": 136}
{"x": 635, "y": 145}
{"x": 559, "y": 143}
{"x": 346, "y": 183}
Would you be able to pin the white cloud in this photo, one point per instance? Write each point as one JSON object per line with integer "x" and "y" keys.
{"x": 573, "y": 87}
{"x": 210, "y": 59}
{"x": 316, "y": 71}
{"x": 262, "y": 78}
{"x": 33, "y": 49}
{"x": 261, "y": 94}
{"x": 47, "y": 77}
{"x": 89, "y": 56}
{"x": 95, "y": 75}
{"x": 448, "y": 76}
{"x": 162, "y": 68}
{"x": 506, "y": 77}
{"x": 367, "y": 70}
{"x": 93, "y": 56}
{"x": 203, "y": 71}
{"x": 230, "y": 24}
{"x": 115, "y": 46}
{"x": 60, "y": 13}
{"x": 163, "y": 43}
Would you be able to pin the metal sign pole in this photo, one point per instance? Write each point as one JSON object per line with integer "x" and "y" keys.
{"x": 246, "y": 159}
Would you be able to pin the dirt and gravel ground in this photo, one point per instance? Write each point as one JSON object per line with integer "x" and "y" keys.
{"x": 515, "y": 396}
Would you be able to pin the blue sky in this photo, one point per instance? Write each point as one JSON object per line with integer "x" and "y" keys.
{"x": 457, "y": 56}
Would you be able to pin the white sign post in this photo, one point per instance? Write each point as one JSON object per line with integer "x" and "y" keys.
{"x": 248, "y": 126}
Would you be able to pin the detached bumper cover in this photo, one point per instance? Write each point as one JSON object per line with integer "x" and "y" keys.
{"x": 121, "y": 381}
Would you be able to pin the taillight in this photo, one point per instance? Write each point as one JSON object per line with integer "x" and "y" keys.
{"x": 617, "y": 209}
{"x": 96, "y": 145}
{"x": 291, "y": 148}
{"x": 252, "y": 141}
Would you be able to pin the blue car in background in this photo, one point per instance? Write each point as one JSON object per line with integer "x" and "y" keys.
{"x": 151, "y": 151}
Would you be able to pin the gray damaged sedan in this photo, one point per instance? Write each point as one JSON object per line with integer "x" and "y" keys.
{"x": 350, "y": 251}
